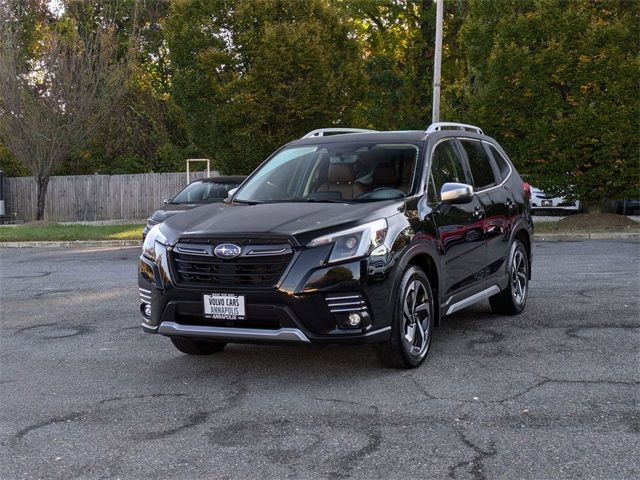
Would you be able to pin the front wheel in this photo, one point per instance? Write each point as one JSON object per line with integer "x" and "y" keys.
{"x": 512, "y": 299}
{"x": 197, "y": 347}
{"x": 412, "y": 323}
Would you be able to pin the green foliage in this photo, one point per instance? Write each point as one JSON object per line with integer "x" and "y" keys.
{"x": 28, "y": 18}
{"x": 557, "y": 84}
{"x": 397, "y": 41}
{"x": 255, "y": 74}
{"x": 396, "y": 38}
{"x": 147, "y": 131}
{"x": 9, "y": 165}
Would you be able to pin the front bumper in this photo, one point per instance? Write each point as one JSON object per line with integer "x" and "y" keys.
{"x": 310, "y": 303}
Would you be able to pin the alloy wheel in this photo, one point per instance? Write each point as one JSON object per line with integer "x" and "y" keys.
{"x": 416, "y": 319}
{"x": 519, "y": 277}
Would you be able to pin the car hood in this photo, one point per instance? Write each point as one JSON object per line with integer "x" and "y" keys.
{"x": 171, "y": 209}
{"x": 298, "y": 220}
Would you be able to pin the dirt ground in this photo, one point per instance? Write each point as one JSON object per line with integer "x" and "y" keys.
{"x": 595, "y": 222}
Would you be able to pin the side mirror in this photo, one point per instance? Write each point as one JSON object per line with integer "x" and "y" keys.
{"x": 165, "y": 201}
{"x": 230, "y": 194}
{"x": 456, "y": 193}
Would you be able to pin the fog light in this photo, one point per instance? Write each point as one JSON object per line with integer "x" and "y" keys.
{"x": 354, "y": 319}
{"x": 145, "y": 309}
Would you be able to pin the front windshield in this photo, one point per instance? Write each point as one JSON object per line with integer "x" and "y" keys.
{"x": 337, "y": 172}
{"x": 204, "y": 192}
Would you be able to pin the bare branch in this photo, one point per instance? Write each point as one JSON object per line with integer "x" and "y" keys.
{"x": 54, "y": 101}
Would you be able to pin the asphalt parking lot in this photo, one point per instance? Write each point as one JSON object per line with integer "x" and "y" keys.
{"x": 550, "y": 394}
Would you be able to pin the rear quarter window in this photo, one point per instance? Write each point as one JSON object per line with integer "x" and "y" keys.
{"x": 480, "y": 164}
{"x": 503, "y": 166}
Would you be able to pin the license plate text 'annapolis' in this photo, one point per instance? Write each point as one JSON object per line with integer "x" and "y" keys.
{"x": 224, "y": 306}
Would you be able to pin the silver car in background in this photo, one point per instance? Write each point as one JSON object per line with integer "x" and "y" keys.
{"x": 545, "y": 203}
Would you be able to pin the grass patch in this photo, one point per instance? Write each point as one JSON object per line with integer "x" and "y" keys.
{"x": 56, "y": 232}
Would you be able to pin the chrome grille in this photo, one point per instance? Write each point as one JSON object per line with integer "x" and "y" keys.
{"x": 261, "y": 263}
{"x": 346, "y": 302}
{"x": 145, "y": 295}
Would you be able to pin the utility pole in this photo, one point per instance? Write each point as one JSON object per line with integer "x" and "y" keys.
{"x": 437, "y": 62}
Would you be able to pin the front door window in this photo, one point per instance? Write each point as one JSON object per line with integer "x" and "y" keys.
{"x": 446, "y": 167}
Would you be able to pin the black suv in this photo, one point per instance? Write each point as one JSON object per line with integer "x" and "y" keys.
{"x": 346, "y": 236}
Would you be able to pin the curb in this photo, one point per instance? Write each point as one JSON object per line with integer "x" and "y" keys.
{"x": 539, "y": 237}
{"x": 573, "y": 237}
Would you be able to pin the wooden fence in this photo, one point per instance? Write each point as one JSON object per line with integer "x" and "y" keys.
{"x": 95, "y": 197}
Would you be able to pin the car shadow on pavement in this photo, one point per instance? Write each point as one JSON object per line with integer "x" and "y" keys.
{"x": 309, "y": 362}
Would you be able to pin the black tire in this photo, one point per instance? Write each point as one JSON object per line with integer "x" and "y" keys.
{"x": 197, "y": 347}
{"x": 512, "y": 300}
{"x": 404, "y": 349}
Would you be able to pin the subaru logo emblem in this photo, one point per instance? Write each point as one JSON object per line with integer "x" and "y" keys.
{"x": 227, "y": 250}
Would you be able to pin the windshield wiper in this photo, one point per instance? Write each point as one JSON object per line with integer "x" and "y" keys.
{"x": 326, "y": 200}
{"x": 246, "y": 202}
{"x": 305, "y": 200}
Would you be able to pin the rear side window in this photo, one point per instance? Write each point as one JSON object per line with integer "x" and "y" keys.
{"x": 445, "y": 167}
{"x": 503, "y": 165}
{"x": 480, "y": 164}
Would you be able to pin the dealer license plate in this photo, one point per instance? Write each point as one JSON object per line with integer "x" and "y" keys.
{"x": 547, "y": 203}
{"x": 224, "y": 306}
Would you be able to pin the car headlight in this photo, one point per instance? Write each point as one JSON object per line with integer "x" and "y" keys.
{"x": 354, "y": 242}
{"x": 151, "y": 223}
{"x": 154, "y": 242}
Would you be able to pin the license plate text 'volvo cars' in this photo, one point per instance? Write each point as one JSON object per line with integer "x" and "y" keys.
{"x": 224, "y": 306}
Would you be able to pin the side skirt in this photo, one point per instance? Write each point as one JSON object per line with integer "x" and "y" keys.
{"x": 464, "y": 303}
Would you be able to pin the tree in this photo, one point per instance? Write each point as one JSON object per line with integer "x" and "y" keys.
{"x": 146, "y": 130}
{"x": 557, "y": 84}
{"x": 55, "y": 90}
{"x": 396, "y": 39}
{"x": 253, "y": 74}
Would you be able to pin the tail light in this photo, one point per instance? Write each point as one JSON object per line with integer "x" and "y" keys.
{"x": 527, "y": 190}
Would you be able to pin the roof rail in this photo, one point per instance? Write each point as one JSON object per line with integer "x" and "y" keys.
{"x": 439, "y": 126}
{"x": 322, "y": 132}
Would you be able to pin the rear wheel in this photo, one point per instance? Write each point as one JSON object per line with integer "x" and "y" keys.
{"x": 412, "y": 324}
{"x": 197, "y": 347}
{"x": 512, "y": 299}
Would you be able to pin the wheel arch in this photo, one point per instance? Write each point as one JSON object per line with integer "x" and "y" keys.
{"x": 523, "y": 235}
{"x": 428, "y": 265}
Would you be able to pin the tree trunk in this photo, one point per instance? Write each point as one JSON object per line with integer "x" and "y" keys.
{"x": 43, "y": 184}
